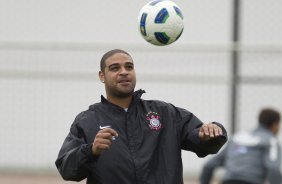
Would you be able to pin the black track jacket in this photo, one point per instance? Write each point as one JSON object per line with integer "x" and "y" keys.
{"x": 147, "y": 150}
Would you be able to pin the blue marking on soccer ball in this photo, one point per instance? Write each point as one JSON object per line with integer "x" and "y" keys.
{"x": 143, "y": 24}
{"x": 178, "y": 12}
{"x": 162, "y": 37}
{"x": 161, "y": 16}
{"x": 155, "y": 2}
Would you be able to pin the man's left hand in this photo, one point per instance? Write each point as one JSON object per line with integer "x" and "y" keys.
{"x": 209, "y": 131}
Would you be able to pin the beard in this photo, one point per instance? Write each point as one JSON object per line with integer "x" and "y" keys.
{"x": 120, "y": 93}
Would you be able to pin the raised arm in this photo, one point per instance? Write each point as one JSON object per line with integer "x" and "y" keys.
{"x": 203, "y": 139}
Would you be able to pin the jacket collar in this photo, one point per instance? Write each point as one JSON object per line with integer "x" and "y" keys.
{"x": 136, "y": 97}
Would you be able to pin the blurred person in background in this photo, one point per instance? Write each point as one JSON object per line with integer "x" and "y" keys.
{"x": 124, "y": 139}
{"x": 252, "y": 157}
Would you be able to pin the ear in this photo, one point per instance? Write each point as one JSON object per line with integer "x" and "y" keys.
{"x": 101, "y": 76}
{"x": 275, "y": 127}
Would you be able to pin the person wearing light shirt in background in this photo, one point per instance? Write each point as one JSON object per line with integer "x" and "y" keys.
{"x": 252, "y": 157}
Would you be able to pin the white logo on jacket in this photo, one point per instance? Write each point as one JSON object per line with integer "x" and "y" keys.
{"x": 154, "y": 122}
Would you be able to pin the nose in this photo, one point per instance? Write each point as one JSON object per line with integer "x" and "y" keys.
{"x": 123, "y": 71}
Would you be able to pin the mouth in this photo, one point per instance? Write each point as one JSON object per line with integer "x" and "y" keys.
{"x": 124, "y": 81}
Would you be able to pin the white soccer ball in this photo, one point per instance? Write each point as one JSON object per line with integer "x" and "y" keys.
{"x": 161, "y": 22}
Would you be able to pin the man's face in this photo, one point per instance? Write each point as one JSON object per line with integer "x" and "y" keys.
{"x": 119, "y": 76}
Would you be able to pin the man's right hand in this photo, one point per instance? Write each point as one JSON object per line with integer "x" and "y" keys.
{"x": 103, "y": 140}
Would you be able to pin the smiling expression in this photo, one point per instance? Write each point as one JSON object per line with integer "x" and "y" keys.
{"x": 119, "y": 75}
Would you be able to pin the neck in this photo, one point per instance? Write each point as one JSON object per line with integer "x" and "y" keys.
{"x": 122, "y": 102}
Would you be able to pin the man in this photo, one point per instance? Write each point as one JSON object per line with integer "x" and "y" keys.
{"x": 252, "y": 157}
{"x": 127, "y": 140}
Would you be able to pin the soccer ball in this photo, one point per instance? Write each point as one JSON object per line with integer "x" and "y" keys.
{"x": 160, "y": 22}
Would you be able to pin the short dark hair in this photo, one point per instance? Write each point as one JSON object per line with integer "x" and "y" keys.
{"x": 268, "y": 117}
{"x": 109, "y": 54}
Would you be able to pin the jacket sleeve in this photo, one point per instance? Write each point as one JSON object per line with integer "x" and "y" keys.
{"x": 75, "y": 157}
{"x": 272, "y": 162}
{"x": 211, "y": 165}
{"x": 190, "y": 126}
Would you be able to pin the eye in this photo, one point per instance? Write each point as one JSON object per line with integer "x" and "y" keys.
{"x": 114, "y": 68}
{"x": 129, "y": 67}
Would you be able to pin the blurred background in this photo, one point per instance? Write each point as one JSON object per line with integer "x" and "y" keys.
{"x": 225, "y": 67}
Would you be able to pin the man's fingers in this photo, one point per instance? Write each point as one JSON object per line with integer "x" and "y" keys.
{"x": 103, "y": 147}
{"x": 217, "y": 131}
{"x": 220, "y": 131}
{"x": 209, "y": 130}
{"x": 103, "y": 140}
{"x": 206, "y": 130}
{"x": 105, "y": 135}
{"x": 201, "y": 134}
{"x": 101, "y": 143}
{"x": 98, "y": 148}
{"x": 109, "y": 130}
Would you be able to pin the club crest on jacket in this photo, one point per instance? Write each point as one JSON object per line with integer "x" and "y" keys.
{"x": 153, "y": 120}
